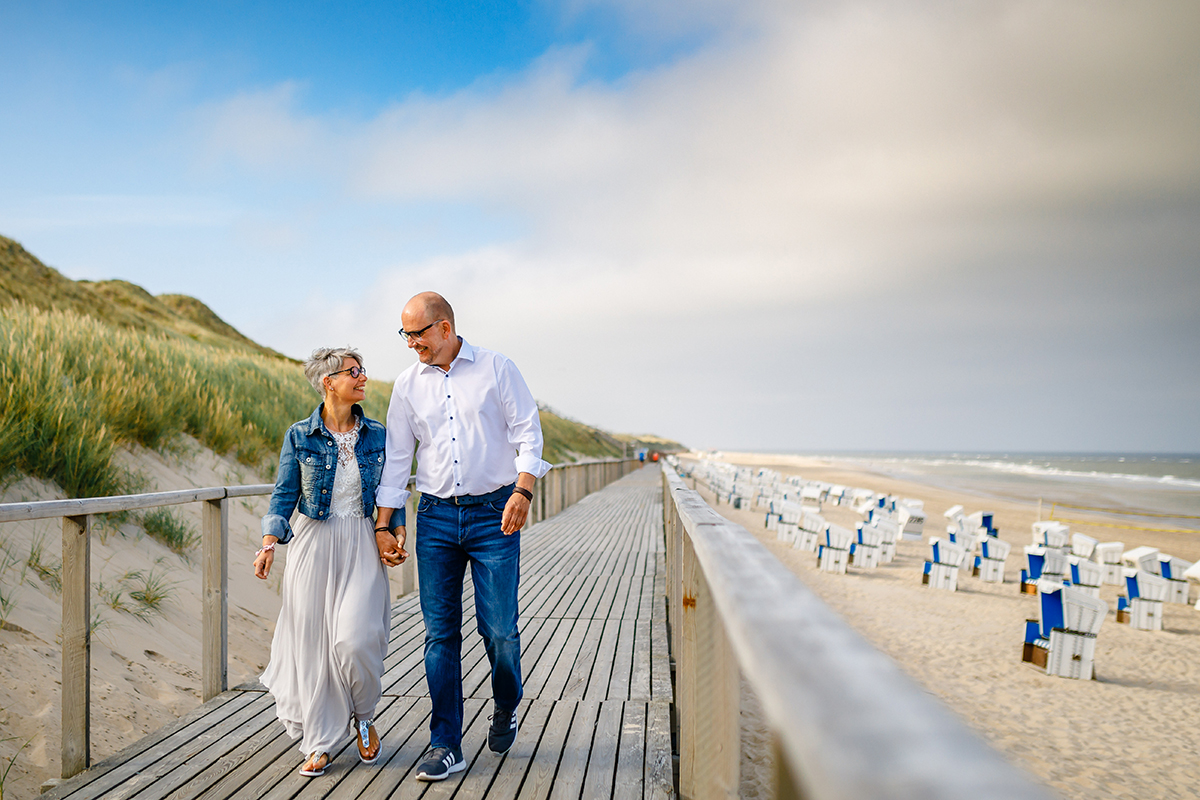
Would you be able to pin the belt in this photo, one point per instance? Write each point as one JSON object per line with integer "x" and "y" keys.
{"x": 474, "y": 499}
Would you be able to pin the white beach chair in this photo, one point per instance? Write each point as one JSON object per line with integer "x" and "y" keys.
{"x": 910, "y": 517}
{"x": 1063, "y": 637}
{"x": 810, "y": 531}
{"x": 865, "y": 552}
{"x": 1053, "y": 535}
{"x": 1143, "y": 558}
{"x": 834, "y": 554}
{"x": 1174, "y": 570}
{"x": 985, "y": 520}
{"x": 941, "y": 570}
{"x": 889, "y": 532}
{"x": 1142, "y": 604}
{"x": 1086, "y": 575}
{"x": 1083, "y": 546}
{"x": 1042, "y": 564}
{"x": 989, "y": 564}
{"x": 1108, "y": 555}
{"x": 1192, "y": 573}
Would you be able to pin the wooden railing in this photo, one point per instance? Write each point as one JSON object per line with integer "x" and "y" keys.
{"x": 564, "y": 485}
{"x": 845, "y": 722}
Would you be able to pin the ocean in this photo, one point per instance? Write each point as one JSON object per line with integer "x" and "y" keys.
{"x": 1156, "y": 490}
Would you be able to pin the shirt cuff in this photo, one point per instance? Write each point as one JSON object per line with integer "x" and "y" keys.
{"x": 527, "y": 462}
{"x": 391, "y": 497}
{"x": 277, "y": 526}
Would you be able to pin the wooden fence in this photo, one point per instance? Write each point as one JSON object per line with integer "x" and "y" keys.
{"x": 564, "y": 485}
{"x": 844, "y": 721}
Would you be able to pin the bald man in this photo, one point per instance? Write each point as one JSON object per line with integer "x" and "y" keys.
{"x": 474, "y": 426}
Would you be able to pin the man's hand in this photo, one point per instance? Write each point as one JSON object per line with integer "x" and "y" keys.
{"x": 516, "y": 511}
{"x": 391, "y": 547}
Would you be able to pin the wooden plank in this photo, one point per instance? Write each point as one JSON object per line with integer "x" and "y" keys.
{"x": 539, "y": 778}
{"x": 474, "y": 740}
{"x": 631, "y": 753}
{"x": 572, "y": 765}
{"x": 519, "y": 761}
{"x": 659, "y": 771}
{"x": 660, "y": 663}
{"x": 145, "y": 759}
{"x": 602, "y": 670}
{"x": 214, "y": 598}
{"x": 602, "y": 763}
{"x": 622, "y": 663}
{"x": 67, "y": 788}
{"x": 576, "y": 682}
{"x": 399, "y": 754}
{"x": 639, "y": 674}
{"x": 229, "y": 774}
{"x": 395, "y": 724}
{"x": 76, "y": 645}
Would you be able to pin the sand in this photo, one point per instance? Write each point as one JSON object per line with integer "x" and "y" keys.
{"x": 145, "y": 673}
{"x": 1131, "y": 733}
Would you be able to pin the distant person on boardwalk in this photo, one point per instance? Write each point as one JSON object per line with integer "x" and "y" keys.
{"x": 331, "y": 638}
{"x": 478, "y": 439}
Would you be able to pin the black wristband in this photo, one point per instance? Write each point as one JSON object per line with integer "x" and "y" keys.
{"x": 382, "y": 528}
{"x": 528, "y": 495}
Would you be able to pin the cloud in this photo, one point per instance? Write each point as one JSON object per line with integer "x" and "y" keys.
{"x": 903, "y": 196}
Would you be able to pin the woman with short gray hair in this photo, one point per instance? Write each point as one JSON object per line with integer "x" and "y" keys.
{"x": 327, "y": 654}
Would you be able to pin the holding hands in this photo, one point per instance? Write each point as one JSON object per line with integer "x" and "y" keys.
{"x": 391, "y": 546}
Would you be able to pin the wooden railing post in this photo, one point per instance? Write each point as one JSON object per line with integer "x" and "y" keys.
{"x": 406, "y": 573}
{"x": 215, "y": 646}
{"x": 76, "y": 644}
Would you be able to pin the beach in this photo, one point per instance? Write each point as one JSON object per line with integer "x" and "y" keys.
{"x": 1130, "y": 733}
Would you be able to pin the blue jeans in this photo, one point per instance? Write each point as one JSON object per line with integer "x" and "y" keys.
{"x": 448, "y": 538}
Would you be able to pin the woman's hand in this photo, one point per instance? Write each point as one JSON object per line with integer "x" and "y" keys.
{"x": 264, "y": 559}
{"x": 391, "y": 547}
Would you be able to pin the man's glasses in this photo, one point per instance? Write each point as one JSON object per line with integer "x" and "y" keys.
{"x": 354, "y": 372}
{"x": 410, "y": 335}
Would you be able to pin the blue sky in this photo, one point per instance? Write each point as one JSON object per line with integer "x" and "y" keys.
{"x": 740, "y": 224}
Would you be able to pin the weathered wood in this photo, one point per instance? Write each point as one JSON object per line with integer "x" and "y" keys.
{"x": 215, "y": 597}
{"x": 596, "y": 559}
{"x": 849, "y": 723}
{"x": 76, "y": 644}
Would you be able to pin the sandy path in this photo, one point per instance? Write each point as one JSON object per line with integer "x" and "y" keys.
{"x": 1131, "y": 733}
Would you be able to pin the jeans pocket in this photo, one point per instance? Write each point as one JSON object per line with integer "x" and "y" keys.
{"x": 498, "y": 506}
{"x": 424, "y": 504}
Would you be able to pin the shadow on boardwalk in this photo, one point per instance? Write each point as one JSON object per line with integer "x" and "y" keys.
{"x": 595, "y": 721}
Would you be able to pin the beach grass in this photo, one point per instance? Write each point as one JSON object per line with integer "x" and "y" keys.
{"x": 75, "y": 389}
{"x": 171, "y": 529}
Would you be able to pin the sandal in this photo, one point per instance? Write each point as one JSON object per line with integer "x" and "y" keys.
{"x": 367, "y": 740}
{"x": 309, "y": 769}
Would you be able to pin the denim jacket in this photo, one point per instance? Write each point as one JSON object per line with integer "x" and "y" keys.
{"x": 307, "y": 465}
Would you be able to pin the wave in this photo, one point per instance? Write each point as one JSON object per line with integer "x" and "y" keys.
{"x": 1035, "y": 470}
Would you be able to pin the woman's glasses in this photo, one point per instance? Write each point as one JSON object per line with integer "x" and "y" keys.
{"x": 354, "y": 372}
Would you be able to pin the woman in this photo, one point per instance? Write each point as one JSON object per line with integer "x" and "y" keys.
{"x": 331, "y": 638}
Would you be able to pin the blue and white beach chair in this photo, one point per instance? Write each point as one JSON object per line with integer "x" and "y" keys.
{"x": 1174, "y": 570}
{"x": 989, "y": 564}
{"x": 941, "y": 571}
{"x": 834, "y": 554}
{"x": 1142, "y": 604}
{"x": 1108, "y": 556}
{"x": 1085, "y": 575}
{"x": 1063, "y": 637}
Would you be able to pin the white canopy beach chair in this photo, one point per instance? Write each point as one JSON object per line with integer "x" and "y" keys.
{"x": 1082, "y": 545}
{"x": 989, "y": 564}
{"x": 1142, "y": 604}
{"x": 941, "y": 570}
{"x": 1055, "y": 535}
{"x": 1143, "y": 558}
{"x": 1086, "y": 575}
{"x": 834, "y": 554}
{"x": 1192, "y": 573}
{"x": 1174, "y": 570}
{"x": 1063, "y": 637}
{"x": 1108, "y": 555}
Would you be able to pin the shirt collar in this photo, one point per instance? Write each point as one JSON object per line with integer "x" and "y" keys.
{"x": 465, "y": 353}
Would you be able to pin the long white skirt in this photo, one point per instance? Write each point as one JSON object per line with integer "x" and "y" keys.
{"x": 331, "y": 637}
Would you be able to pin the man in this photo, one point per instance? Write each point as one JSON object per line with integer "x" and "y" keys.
{"x": 478, "y": 439}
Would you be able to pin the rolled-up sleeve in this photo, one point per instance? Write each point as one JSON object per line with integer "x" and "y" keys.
{"x": 276, "y": 522}
{"x": 401, "y": 444}
{"x": 521, "y": 415}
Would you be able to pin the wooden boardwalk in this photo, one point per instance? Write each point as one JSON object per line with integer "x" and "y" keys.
{"x": 595, "y": 721}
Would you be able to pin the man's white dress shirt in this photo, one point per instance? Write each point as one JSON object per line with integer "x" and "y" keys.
{"x": 474, "y": 427}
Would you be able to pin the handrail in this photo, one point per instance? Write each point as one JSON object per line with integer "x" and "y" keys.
{"x": 846, "y": 722}
{"x": 564, "y": 485}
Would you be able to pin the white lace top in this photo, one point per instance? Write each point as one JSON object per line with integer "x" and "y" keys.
{"x": 347, "y": 482}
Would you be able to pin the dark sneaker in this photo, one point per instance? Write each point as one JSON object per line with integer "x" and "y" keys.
{"x": 441, "y": 763}
{"x": 503, "y": 731}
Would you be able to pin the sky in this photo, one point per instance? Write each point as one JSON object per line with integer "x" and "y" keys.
{"x": 784, "y": 226}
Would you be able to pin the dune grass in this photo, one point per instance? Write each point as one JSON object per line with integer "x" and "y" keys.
{"x": 169, "y": 528}
{"x": 73, "y": 389}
